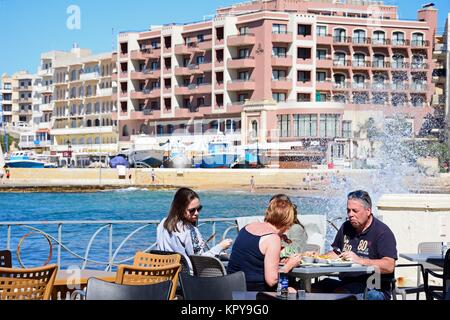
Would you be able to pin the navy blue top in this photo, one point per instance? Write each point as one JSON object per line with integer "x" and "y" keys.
{"x": 247, "y": 257}
{"x": 377, "y": 242}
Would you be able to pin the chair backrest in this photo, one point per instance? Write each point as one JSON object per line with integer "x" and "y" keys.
{"x": 212, "y": 288}
{"x": 142, "y": 259}
{"x": 133, "y": 275}
{"x": 102, "y": 290}
{"x": 312, "y": 247}
{"x": 27, "y": 284}
{"x": 446, "y": 274}
{"x": 184, "y": 264}
{"x": 5, "y": 259}
{"x": 429, "y": 247}
{"x": 205, "y": 266}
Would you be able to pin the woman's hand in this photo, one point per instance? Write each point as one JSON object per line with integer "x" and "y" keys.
{"x": 225, "y": 244}
{"x": 292, "y": 262}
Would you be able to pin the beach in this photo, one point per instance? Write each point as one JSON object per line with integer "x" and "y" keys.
{"x": 294, "y": 181}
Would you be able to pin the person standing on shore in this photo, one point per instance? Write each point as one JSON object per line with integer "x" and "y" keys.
{"x": 252, "y": 184}
{"x": 8, "y": 173}
{"x": 179, "y": 233}
{"x": 153, "y": 176}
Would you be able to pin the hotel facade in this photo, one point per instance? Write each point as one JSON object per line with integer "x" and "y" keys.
{"x": 277, "y": 71}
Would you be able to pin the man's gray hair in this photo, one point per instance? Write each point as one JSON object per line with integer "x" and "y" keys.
{"x": 362, "y": 196}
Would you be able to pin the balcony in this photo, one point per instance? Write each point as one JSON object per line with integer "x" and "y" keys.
{"x": 381, "y": 65}
{"x": 341, "y": 86}
{"x": 205, "y": 66}
{"x": 324, "y": 85}
{"x": 361, "y": 64}
{"x": 400, "y": 65}
{"x": 341, "y": 40}
{"x": 185, "y": 49}
{"x": 241, "y": 40}
{"x": 419, "y": 87}
{"x": 361, "y": 86}
{"x": 282, "y": 61}
{"x": 47, "y": 107}
{"x": 241, "y": 62}
{"x": 400, "y": 86}
{"x": 89, "y": 76}
{"x": 420, "y": 43}
{"x": 324, "y": 63}
{"x": 104, "y": 92}
{"x": 145, "y": 94}
{"x": 337, "y": 64}
{"x": 203, "y": 88}
{"x": 282, "y": 37}
{"x": 324, "y": 39}
{"x": 381, "y": 42}
{"x": 182, "y": 90}
{"x": 400, "y": 43}
{"x": 300, "y": 83}
{"x": 361, "y": 41}
{"x": 381, "y": 86}
{"x": 241, "y": 85}
{"x": 205, "y": 45}
{"x": 45, "y": 72}
{"x": 419, "y": 66}
{"x": 283, "y": 83}
{"x": 23, "y": 100}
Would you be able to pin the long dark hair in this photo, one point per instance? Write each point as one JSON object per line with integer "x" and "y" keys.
{"x": 286, "y": 198}
{"x": 181, "y": 201}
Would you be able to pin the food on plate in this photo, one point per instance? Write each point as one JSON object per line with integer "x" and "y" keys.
{"x": 288, "y": 252}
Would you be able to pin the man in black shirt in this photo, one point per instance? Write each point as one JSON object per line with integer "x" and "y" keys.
{"x": 367, "y": 241}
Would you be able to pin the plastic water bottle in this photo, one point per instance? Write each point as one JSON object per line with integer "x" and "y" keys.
{"x": 283, "y": 285}
{"x": 444, "y": 248}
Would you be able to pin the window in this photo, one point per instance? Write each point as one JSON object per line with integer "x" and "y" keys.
{"x": 200, "y": 80}
{"x": 200, "y": 38}
{"x": 200, "y": 59}
{"x": 304, "y": 30}
{"x": 329, "y": 125}
{"x": 321, "y": 54}
{"x": 321, "y": 97}
{"x": 359, "y": 36}
{"x": 321, "y": 31}
{"x": 154, "y": 65}
{"x": 125, "y": 131}
{"x": 358, "y": 80}
{"x": 244, "y": 53}
{"x": 244, "y": 75}
{"x": 303, "y": 97}
{"x": 378, "y": 60}
{"x": 242, "y": 97}
{"x": 398, "y": 38}
{"x": 417, "y": 39}
{"x": 155, "y": 44}
{"x": 359, "y": 60}
{"x": 279, "y": 28}
{"x": 244, "y": 31}
{"x": 339, "y": 80}
{"x": 279, "y": 52}
{"x": 279, "y": 96}
{"x": 340, "y": 35}
{"x": 379, "y": 37}
{"x": 200, "y": 101}
{"x": 279, "y": 74}
{"x": 346, "y": 129}
{"x": 321, "y": 76}
{"x": 304, "y": 76}
{"x": 305, "y": 125}
{"x": 284, "y": 125}
{"x": 304, "y": 53}
{"x": 339, "y": 58}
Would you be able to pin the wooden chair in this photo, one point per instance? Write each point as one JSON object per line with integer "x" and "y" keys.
{"x": 134, "y": 275}
{"x": 5, "y": 259}
{"x": 27, "y": 284}
{"x": 150, "y": 260}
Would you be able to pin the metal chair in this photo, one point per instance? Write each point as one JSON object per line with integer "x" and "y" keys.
{"x": 212, "y": 288}
{"x": 439, "y": 292}
{"x": 134, "y": 275}
{"x": 5, "y": 259}
{"x": 102, "y": 290}
{"x": 205, "y": 266}
{"x": 27, "y": 284}
{"x": 405, "y": 290}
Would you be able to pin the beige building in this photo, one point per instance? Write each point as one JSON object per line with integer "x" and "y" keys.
{"x": 82, "y": 103}
{"x": 6, "y": 93}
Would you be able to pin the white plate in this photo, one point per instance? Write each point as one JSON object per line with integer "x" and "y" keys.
{"x": 341, "y": 263}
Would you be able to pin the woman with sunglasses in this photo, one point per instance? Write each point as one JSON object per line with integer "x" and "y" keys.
{"x": 179, "y": 233}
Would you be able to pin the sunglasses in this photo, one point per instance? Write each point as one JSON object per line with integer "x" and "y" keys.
{"x": 193, "y": 210}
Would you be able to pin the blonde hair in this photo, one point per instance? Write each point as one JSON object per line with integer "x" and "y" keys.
{"x": 280, "y": 213}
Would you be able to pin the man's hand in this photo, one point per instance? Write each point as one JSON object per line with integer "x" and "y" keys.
{"x": 351, "y": 256}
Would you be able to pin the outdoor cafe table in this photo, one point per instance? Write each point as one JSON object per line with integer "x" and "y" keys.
{"x": 253, "y": 295}
{"x": 306, "y": 273}
{"x": 69, "y": 280}
{"x": 425, "y": 258}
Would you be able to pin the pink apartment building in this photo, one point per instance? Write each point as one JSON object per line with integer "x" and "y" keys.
{"x": 277, "y": 70}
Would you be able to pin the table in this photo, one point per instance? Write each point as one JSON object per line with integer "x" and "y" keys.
{"x": 423, "y": 258}
{"x": 253, "y": 295}
{"x": 68, "y": 281}
{"x": 309, "y": 272}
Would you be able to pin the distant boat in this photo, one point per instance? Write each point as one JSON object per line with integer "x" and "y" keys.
{"x": 220, "y": 155}
{"x": 24, "y": 159}
{"x": 146, "y": 152}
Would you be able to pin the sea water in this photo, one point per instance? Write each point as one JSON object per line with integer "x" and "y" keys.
{"x": 119, "y": 205}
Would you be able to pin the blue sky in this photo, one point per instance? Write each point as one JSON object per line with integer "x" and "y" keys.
{"x": 28, "y": 28}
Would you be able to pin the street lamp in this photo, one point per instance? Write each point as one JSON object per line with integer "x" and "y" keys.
{"x": 69, "y": 154}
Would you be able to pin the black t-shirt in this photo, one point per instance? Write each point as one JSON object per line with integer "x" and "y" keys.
{"x": 376, "y": 242}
